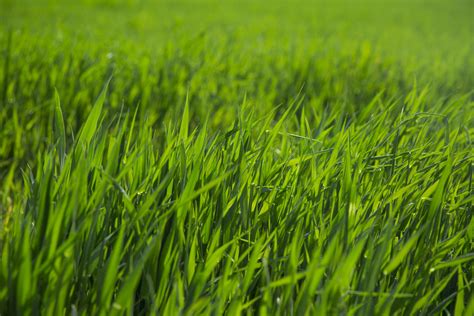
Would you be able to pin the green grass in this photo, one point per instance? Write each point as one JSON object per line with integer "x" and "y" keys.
{"x": 212, "y": 157}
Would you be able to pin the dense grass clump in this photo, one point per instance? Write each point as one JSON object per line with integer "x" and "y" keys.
{"x": 303, "y": 158}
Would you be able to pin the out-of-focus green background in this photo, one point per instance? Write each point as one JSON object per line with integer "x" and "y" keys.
{"x": 401, "y": 28}
{"x": 340, "y": 52}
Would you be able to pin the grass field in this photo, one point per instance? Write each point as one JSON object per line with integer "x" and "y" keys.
{"x": 236, "y": 157}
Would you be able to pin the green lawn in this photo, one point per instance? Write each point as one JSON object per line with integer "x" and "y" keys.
{"x": 236, "y": 157}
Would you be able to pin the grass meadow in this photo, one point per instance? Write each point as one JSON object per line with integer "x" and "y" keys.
{"x": 210, "y": 157}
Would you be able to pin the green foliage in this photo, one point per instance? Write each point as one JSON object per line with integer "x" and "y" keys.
{"x": 260, "y": 159}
